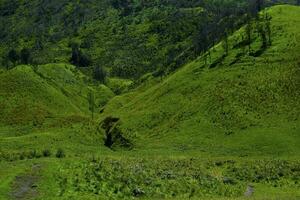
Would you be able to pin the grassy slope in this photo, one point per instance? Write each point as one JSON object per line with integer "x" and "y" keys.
{"x": 43, "y": 107}
{"x": 194, "y": 113}
{"x": 237, "y": 109}
{"x": 49, "y": 91}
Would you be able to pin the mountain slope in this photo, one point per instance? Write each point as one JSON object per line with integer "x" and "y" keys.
{"x": 238, "y": 104}
{"x": 32, "y": 95}
{"x": 129, "y": 38}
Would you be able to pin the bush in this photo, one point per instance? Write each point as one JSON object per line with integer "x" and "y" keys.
{"x": 60, "y": 153}
{"x": 33, "y": 154}
{"x": 46, "y": 153}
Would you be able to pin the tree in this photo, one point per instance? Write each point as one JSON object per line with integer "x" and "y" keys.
{"x": 84, "y": 60}
{"x": 91, "y": 100}
{"x": 255, "y": 7}
{"x": 259, "y": 5}
{"x": 264, "y": 30}
{"x": 225, "y": 44}
{"x": 263, "y": 37}
{"x": 13, "y": 56}
{"x": 201, "y": 40}
{"x": 268, "y": 19}
{"x": 5, "y": 62}
{"x": 78, "y": 58}
{"x": 100, "y": 74}
{"x": 248, "y": 30}
{"x": 25, "y": 56}
{"x": 75, "y": 55}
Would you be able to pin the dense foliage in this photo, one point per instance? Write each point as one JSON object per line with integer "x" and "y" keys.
{"x": 129, "y": 37}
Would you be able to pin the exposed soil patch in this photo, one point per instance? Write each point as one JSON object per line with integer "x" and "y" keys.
{"x": 25, "y": 186}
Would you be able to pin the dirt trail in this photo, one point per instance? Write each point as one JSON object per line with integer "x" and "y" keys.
{"x": 25, "y": 186}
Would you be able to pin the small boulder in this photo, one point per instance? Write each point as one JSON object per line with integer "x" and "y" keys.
{"x": 249, "y": 191}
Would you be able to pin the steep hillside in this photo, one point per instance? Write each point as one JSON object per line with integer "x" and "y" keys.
{"x": 236, "y": 103}
{"x": 33, "y": 95}
{"x": 128, "y": 38}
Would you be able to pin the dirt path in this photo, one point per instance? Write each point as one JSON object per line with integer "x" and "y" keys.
{"x": 25, "y": 186}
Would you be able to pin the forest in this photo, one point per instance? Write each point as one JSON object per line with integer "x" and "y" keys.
{"x": 125, "y": 38}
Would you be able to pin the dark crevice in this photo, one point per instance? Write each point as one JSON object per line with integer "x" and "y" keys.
{"x": 114, "y": 137}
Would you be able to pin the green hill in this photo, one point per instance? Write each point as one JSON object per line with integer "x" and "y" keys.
{"x": 235, "y": 104}
{"x": 224, "y": 126}
{"x": 31, "y": 95}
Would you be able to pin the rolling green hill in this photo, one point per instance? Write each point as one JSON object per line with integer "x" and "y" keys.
{"x": 35, "y": 94}
{"x": 236, "y": 104}
{"x": 224, "y": 126}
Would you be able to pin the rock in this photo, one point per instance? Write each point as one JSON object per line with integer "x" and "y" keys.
{"x": 138, "y": 192}
{"x": 227, "y": 180}
{"x": 249, "y": 191}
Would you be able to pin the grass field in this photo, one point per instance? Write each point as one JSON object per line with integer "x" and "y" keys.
{"x": 221, "y": 127}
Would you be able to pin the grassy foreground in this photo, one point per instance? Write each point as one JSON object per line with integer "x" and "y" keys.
{"x": 216, "y": 129}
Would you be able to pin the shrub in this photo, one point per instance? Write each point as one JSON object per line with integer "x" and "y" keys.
{"x": 33, "y": 154}
{"x": 46, "y": 153}
{"x": 22, "y": 156}
{"x": 60, "y": 153}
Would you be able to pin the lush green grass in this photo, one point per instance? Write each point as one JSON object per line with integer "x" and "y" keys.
{"x": 200, "y": 133}
{"x": 35, "y": 94}
{"x": 236, "y": 108}
{"x": 125, "y": 177}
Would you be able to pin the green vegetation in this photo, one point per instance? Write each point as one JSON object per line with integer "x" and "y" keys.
{"x": 34, "y": 94}
{"x": 128, "y": 38}
{"x": 145, "y": 101}
{"x": 238, "y": 103}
